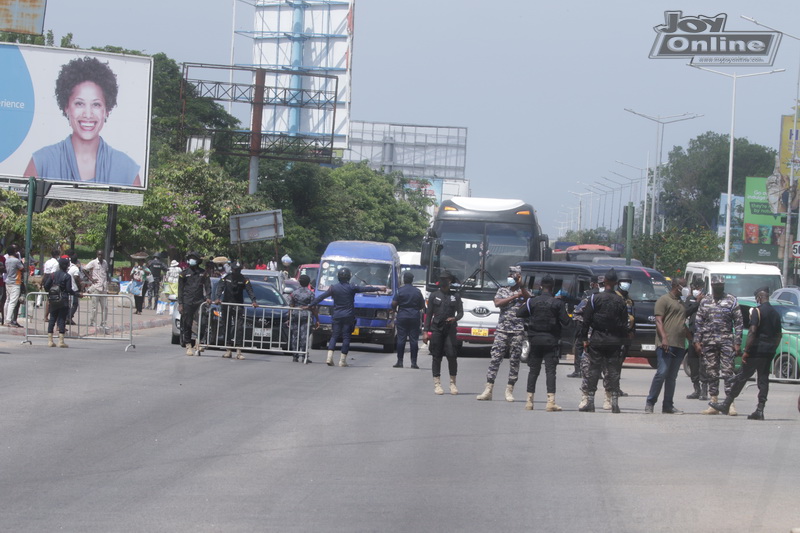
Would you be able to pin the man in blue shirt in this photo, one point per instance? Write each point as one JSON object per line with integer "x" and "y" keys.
{"x": 408, "y": 302}
{"x": 344, "y": 312}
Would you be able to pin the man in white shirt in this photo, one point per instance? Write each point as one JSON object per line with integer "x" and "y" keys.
{"x": 74, "y": 272}
{"x": 14, "y": 276}
{"x": 97, "y": 271}
{"x": 50, "y": 267}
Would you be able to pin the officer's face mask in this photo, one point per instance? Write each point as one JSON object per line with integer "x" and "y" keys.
{"x": 601, "y": 289}
{"x": 511, "y": 281}
{"x": 192, "y": 262}
{"x": 625, "y": 286}
{"x": 695, "y": 293}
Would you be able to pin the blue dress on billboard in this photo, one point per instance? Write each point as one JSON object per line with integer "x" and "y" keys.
{"x": 58, "y": 162}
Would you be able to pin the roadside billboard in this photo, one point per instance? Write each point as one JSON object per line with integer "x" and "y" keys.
{"x": 23, "y": 16}
{"x": 764, "y": 221}
{"x": 789, "y": 151}
{"x": 75, "y": 116}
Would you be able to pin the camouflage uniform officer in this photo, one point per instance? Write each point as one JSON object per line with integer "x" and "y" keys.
{"x": 510, "y": 333}
{"x": 607, "y": 316}
{"x": 577, "y": 316}
{"x": 718, "y": 338}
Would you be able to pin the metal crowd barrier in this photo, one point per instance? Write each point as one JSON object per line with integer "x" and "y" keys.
{"x": 106, "y": 317}
{"x": 259, "y": 329}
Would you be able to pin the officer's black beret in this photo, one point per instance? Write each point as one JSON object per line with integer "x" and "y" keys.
{"x": 611, "y": 276}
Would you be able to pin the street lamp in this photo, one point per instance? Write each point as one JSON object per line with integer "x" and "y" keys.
{"x": 580, "y": 196}
{"x": 643, "y": 193}
{"x": 611, "y": 211}
{"x": 734, "y": 77}
{"x": 631, "y": 182}
{"x": 662, "y": 121}
{"x": 792, "y": 163}
{"x": 621, "y": 186}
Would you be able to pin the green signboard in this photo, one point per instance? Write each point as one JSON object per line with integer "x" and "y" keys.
{"x": 764, "y": 221}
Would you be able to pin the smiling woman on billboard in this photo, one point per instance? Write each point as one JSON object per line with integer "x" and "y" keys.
{"x": 86, "y": 92}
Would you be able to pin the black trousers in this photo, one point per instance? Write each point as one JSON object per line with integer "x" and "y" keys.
{"x": 188, "y": 316}
{"x": 548, "y": 354}
{"x": 408, "y": 328}
{"x": 443, "y": 344}
{"x": 697, "y": 371}
{"x": 760, "y": 365}
{"x": 58, "y": 314}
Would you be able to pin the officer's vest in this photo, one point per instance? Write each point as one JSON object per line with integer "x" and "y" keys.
{"x": 611, "y": 317}
{"x": 543, "y": 313}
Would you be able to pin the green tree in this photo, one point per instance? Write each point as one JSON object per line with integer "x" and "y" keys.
{"x": 671, "y": 250}
{"x": 694, "y": 177}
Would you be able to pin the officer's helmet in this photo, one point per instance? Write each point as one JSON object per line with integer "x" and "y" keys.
{"x": 344, "y": 274}
{"x": 237, "y": 266}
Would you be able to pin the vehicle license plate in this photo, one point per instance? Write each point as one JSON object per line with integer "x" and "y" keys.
{"x": 355, "y": 331}
{"x": 648, "y": 347}
{"x": 262, "y": 332}
{"x": 480, "y": 332}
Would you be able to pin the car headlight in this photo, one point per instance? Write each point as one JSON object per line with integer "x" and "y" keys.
{"x": 382, "y": 314}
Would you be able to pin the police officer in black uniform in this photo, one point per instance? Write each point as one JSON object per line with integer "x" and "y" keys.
{"x": 763, "y": 340}
{"x": 606, "y": 314}
{"x": 194, "y": 288}
{"x": 546, "y": 316}
{"x": 230, "y": 290}
{"x": 444, "y": 311}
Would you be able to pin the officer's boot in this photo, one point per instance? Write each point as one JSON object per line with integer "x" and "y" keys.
{"x": 607, "y": 401}
{"x": 615, "y": 403}
{"x": 758, "y": 414}
{"x": 61, "y": 343}
{"x": 343, "y": 360}
{"x": 723, "y": 407}
{"x": 703, "y": 392}
{"x": 437, "y": 385}
{"x": 189, "y": 350}
{"x": 509, "y": 392}
{"x": 551, "y": 403}
{"x": 711, "y": 410}
{"x": 584, "y": 400}
{"x": 529, "y": 402}
{"x": 239, "y": 355}
{"x": 696, "y": 394}
{"x": 228, "y": 354}
{"x": 453, "y": 389}
{"x": 329, "y": 360}
{"x": 589, "y": 407}
{"x": 197, "y": 347}
{"x": 487, "y": 392}
{"x": 50, "y": 342}
{"x": 732, "y": 410}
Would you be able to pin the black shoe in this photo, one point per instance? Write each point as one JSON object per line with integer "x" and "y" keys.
{"x": 588, "y": 408}
{"x": 722, "y": 407}
{"x": 758, "y": 414}
{"x": 14, "y": 324}
{"x": 671, "y": 411}
{"x": 621, "y": 394}
{"x": 397, "y": 365}
{"x": 414, "y": 366}
{"x": 703, "y": 397}
{"x": 648, "y": 409}
{"x": 574, "y": 375}
{"x": 693, "y": 396}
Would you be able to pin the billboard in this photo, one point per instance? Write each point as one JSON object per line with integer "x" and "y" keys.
{"x": 75, "y": 116}
{"x": 306, "y": 37}
{"x": 789, "y": 151}
{"x": 23, "y": 16}
{"x": 764, "y": 219}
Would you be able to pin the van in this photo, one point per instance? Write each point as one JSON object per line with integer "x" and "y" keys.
{"x": 410, "y": 262}
{"x": 370, "y": 263}
{"x": 573, "y": 279}
{"x": 741, "y": 279}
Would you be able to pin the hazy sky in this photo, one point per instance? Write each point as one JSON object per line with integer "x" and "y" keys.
{"x": 541, "y": 87}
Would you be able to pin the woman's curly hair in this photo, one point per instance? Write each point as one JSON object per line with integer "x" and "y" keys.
{"x": 84, "y": 69}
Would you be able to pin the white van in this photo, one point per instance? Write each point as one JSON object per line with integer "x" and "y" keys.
{"x": 741, "y": 279}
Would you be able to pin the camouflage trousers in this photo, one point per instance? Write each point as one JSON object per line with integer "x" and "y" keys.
{"x": 718, "y": 362}
{"x": 609, "y": 366}
{"x": 604, "y": 362}
{"x": 506, "y": 343}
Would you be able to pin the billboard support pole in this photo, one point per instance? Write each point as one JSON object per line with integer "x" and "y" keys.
{"x": 28, "y": 226}
{"x": 629, "y": 231}
{"x": 255, "y": 134}
{"x": 111, "y": 237}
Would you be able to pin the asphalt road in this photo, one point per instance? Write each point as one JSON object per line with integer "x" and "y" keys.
{"x": 97, "y": 439}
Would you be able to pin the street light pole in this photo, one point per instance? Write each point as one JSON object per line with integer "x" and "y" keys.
{"x": 733, "y": 76}
{"x": 580, "y": 196}
{"x": 643, "y": 191}
{"x": 661, "y": 121}
{"x": 792, "y": 163}
{"x": 621, "y": 186}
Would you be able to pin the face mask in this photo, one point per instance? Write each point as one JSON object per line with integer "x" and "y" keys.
{"x": 695, "y": 293}
{"x": 625, "y": 286}
{"x": 602, "y": 289}
{"x": 192, "y": 262}
{"x": 511, "y": 282}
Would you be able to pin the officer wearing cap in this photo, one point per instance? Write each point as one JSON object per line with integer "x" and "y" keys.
{"x": 194, "y": 288}
{"x": 763, "y": 340}
{"x": 444, "y": 311}
{"x": 408, "y": 302}
{"x": 510, "y": 333}
{"x": 718, "y": 338}
{"x": 546, "y": 316}
{"x": 230, "y": 289}
{"x": 606, "y": 315}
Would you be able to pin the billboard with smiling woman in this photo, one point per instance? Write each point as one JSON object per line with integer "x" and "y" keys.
{"x": 75, "y": 116}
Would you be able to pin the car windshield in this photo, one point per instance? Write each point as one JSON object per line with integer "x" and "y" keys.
{"x": 362, "y": 273}
{"x": 745, "y": 284}
{"x": 267, "y": 295}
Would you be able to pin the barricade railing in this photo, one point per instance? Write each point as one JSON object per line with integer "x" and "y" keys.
{"x": 260, "y": 329}
{"x": 786, "y": 365}
{"x": 107, "y": 317}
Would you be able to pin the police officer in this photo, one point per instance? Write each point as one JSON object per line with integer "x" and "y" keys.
{"x": 763, "y": 340}
{"x": 510, "y": 333}
{"x": 301, "y": 297}
{"x": 696, "y": 370}
{"x": 606, "y": 314}
{"x": 444, "y": 311}
{"x": 577, "y": 316}
{"x": 344, "y": 312}
{"x": 547, "y": 315}
{"x": 194, "y": 288}
{"x": 230, "y": 289}
{"x": 718, "y": 338}
{"x": 623, "y": 289}
{"x": 157, "y": 269}
{"x": 407, "y": 303}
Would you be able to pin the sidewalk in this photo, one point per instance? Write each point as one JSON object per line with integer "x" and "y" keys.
{"x": 148, "y": 319}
